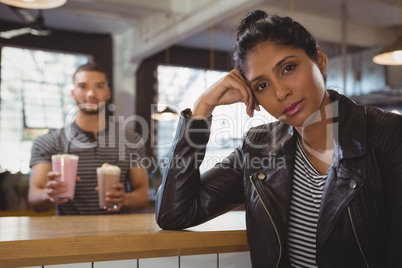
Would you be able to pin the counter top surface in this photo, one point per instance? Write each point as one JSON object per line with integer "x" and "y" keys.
{"x": 71, "y": 239}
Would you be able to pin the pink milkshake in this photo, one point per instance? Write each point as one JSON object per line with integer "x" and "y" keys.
{"x": 66, "y": 165}
{"x": 107, "y": 176}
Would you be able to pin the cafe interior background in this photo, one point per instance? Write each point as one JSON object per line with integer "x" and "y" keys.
{"x": 160, "y": 55}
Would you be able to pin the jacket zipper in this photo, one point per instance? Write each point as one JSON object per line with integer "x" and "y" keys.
{"x": 357, "y": 239}
{"x": 273, "y": 223}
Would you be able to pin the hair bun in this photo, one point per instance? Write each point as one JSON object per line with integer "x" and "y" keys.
{"x": 250, "y": 20}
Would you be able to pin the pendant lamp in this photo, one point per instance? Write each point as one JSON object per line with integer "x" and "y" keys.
{"x": 392, "y": 55}
{"x": 34, "y": 4}
{"x": 166, "y": 115}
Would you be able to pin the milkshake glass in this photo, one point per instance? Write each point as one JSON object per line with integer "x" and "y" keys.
{"x": 66, "y": 165}
{"x": 107, "y": 176}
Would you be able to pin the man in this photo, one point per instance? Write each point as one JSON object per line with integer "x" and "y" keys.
{"x": 96, "y": 141}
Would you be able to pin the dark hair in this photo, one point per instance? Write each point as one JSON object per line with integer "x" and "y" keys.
{"x": 90, "y": 66}
{"x": 258, "y": 27}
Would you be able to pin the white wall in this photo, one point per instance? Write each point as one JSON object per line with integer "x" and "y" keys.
{"x": 124, "y": 70}
{"x": 219, "y": 260}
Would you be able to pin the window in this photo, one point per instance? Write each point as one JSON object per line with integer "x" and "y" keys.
{"x": 35, "y": 96}
{"x": 178, "y": 88}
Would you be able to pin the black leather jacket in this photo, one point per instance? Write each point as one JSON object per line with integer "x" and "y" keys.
{"x": 360, "y": 221}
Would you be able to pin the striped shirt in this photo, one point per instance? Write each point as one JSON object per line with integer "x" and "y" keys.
{"x": 115, "y": 145}
{"x": 308, "y": 185}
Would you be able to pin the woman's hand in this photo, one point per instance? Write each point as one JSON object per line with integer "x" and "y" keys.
{"x": 232, "y": 88}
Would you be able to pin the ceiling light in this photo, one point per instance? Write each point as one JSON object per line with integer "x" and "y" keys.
{"x": 166, "y": 115}
{"x": 391, "y": 55}
{"x": 34, "y": 4}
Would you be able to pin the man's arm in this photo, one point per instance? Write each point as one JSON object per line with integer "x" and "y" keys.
{"x": 138, "y": 198}
{"x": 43, "y": 188}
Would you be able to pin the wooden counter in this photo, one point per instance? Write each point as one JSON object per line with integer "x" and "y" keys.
{"x": 34, "y": 241}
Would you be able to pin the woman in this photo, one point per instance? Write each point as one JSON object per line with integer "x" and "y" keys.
{"x": 322, "y": 186}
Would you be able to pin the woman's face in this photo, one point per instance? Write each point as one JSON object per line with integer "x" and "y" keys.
{"x": 286, "y": 82}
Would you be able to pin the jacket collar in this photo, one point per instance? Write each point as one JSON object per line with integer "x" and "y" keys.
{"x": 350, "y": 128}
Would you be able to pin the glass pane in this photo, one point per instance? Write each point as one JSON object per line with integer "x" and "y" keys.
{"x": 10, "y": 106}
{"x": 11, "y": 162}
{"x": 34, "y": 88}
{"x": 10, "y": 131}
{"x": 34, "y": 110}
{"x": 10, "y": 91}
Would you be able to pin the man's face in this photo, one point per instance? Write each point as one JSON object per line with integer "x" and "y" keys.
{"x": 91, "y": 91}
